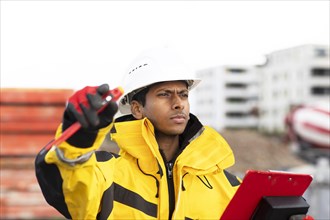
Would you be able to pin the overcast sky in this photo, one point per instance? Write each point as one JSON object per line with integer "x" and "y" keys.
{"x": 70, "y": 44}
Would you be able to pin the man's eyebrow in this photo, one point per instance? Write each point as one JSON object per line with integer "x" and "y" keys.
{"x": 173, "y": 90}
{"x": 183, "y": 90}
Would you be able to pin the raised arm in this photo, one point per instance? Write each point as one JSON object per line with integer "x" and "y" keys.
{"x": 71, "y": 175}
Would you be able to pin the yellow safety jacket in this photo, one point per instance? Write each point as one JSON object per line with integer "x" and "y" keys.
{"x": 139, "y": 184}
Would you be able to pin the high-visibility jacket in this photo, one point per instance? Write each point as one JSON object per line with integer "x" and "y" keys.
{"x": 140, "y": 184}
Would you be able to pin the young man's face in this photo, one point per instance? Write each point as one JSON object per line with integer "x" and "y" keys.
{"x": 167, "y": 107}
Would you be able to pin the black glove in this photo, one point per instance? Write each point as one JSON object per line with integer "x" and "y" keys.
{"x": 83, "y": 106}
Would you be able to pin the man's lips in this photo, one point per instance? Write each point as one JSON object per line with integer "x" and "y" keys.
{"x": 179, "y": 118}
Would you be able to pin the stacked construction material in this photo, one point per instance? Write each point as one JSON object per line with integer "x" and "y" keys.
{"x": 28, "y": 121}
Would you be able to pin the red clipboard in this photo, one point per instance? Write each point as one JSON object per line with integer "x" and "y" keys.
{"x": 257, "y": 184}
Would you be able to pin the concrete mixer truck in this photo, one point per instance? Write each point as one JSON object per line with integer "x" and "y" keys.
{"x": 308, "y": 130}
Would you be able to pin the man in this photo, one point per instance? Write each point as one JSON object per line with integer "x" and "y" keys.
{"x": 170, "y": 166}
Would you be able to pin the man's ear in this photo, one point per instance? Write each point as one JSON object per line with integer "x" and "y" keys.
{"x": 136, "y": 109}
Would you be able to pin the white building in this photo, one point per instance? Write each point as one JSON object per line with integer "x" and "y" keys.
{"x": 293, "y": 76}
{"x": 227, "y": 97}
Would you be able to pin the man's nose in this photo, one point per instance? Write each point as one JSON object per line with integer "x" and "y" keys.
{"x": 177, "y": 102}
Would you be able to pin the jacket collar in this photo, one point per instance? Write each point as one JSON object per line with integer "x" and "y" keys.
{"x": 202, "y": 148}
{"x": 207, "y": 153}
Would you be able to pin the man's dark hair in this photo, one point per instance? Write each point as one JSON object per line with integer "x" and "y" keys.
{"x": 141, "y": 96}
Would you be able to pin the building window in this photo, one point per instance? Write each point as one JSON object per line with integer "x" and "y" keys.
{"x": 320, "y": 90}
{"x": 275, "y": 94}
{"x": 235, "y": 114}
{"x": 236, "y": 100}
{"x": 236, "y": 85}
{"x": 320, "y": 72}
{"x": 321, "y": 52}
{"x": 275, "y": 77}
{"x": 235, "y": 70}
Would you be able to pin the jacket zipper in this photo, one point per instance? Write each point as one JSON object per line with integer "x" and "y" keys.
{"x": 170, "y": 183}
{"x": 169, "y": 166}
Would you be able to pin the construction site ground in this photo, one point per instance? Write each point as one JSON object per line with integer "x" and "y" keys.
{"x": 257, "y": 151}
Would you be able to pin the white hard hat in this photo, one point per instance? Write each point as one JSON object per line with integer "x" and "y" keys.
{"x": 152, "y": 66}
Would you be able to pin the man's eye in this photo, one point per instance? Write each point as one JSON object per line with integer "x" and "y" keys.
{"x": 163, "y": 94}
{"x": 186, "y": 95}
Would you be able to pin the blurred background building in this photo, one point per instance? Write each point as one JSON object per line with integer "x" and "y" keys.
{"x": 227, "y": 97}
{"x": 292, "y": 77}
{"x": 261, "y": 96}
